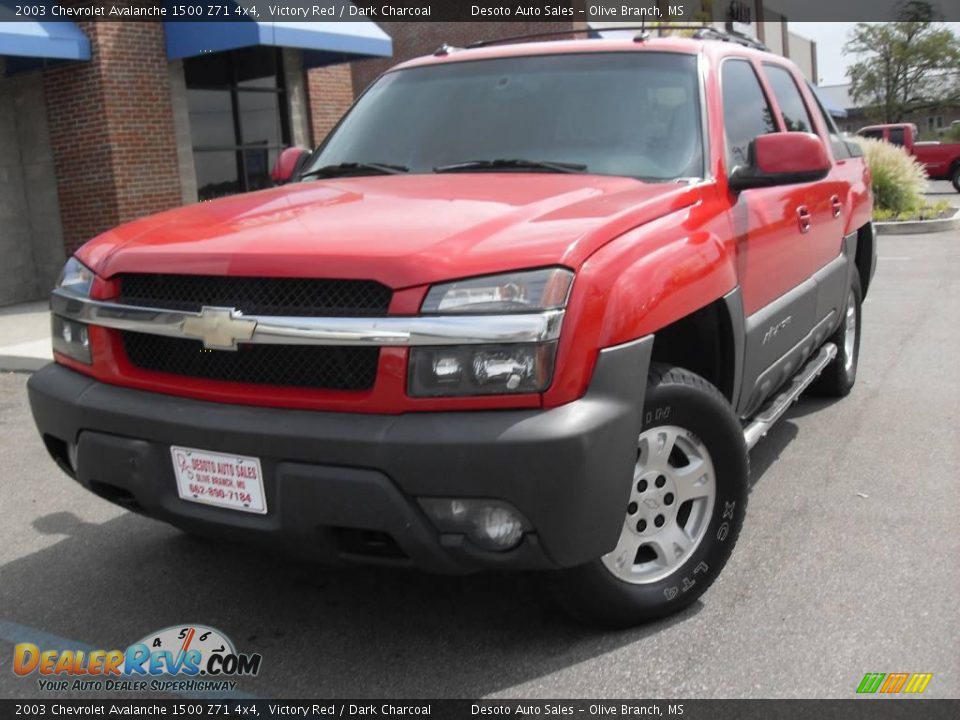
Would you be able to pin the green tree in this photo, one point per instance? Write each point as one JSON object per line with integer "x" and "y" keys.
{"x": 905, "y": 66}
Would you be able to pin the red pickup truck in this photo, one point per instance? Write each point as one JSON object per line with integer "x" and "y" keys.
{"x": 941, "y": 160}
{"x": 527, "y": 307}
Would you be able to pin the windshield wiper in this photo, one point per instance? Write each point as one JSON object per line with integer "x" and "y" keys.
{"x": 356, "y": 168}
{"x": 511, "y": 164}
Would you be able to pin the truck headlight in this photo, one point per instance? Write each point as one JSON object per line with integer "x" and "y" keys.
{"x": 481, "y": 369}
{"x": 490, "y": 369}
{"x": 76, "y": 278}
{"x": 71, "y": 338}
{"x": 526, "y": 291}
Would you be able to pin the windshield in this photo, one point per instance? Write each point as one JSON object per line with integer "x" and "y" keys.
{"x": 634, "y": 114}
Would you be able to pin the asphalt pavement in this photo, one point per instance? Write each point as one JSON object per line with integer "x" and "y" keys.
{"x": 942, "y": 190}
{"x": 849, "y": 561}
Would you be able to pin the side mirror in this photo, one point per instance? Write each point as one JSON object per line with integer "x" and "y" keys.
{"x": 782, "y": 159}
{"x": 288, "y": 164}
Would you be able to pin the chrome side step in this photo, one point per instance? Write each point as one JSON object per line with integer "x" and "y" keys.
{"x": 760, "y": 425}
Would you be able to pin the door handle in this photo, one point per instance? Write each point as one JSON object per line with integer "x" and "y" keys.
{"x": 836, "y": 205}
{"x": 803, "y": 218}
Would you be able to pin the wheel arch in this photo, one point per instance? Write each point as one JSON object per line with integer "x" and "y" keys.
{"x": 708, "y": 342}
{"x": 643, "y": 282}
{"x": 865, "y": 259}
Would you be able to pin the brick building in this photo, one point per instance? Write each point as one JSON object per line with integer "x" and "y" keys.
{"x": 105, "y": 122}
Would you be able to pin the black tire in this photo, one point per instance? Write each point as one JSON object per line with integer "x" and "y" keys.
{"x": 675, "y": 397}
{"x": 955, "y": 178}
{"x": 838, "y": 378}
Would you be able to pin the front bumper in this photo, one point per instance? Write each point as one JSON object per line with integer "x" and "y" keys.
{"x": 337, "y": 484}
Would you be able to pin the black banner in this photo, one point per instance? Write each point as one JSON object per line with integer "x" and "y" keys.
{"x": 634, "y": 12}
{"x": 874, "y": 708}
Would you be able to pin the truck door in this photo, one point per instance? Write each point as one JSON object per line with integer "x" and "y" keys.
{"x": 771, "y": 249}
{"x": 824, "y": 200}
{"x": 776, "y": 250}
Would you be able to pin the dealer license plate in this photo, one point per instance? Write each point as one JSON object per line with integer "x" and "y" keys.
{"x": 227, "y": 481}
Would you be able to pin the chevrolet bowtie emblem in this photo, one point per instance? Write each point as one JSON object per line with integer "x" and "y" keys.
{"x": 220, "y": 328}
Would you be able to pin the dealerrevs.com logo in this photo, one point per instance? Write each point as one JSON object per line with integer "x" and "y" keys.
{"x": 179, "y": 658}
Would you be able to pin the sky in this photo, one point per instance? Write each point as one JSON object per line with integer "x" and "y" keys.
{"x": 830, "y": 38}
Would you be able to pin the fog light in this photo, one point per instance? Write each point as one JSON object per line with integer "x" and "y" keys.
{"x": 490, "y": 524}
{"x": 71, "y": 339}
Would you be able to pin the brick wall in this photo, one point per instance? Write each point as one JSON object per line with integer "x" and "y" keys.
{"x": 329, "y": 94}
{"x": 332, "y": 89}
{"x": 112, "y": 132}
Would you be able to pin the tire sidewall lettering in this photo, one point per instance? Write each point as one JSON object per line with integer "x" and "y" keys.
{"x": 656, "y": 416}
{"x": 726, "y": 518}
{"x": 679, "y": 398}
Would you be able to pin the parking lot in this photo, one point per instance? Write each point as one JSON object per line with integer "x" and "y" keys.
{"x": 848, "y": 562}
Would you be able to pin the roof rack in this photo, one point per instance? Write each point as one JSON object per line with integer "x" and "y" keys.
{"x": 711, "y": 33}
{"x": 701, "y": 32}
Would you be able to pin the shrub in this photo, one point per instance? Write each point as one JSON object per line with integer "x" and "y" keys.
{"x": 933, "y": 211}
{"x": 952, "y": 134}
{"x": 898, "y": 179}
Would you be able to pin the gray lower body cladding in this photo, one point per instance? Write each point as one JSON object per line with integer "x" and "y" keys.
{"x": 328, "y": 476}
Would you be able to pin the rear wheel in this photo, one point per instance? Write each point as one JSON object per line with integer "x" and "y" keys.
{"x": 685, "y": 508}
{"x": 838, "y": 378}
{"x": 955, "y": 178}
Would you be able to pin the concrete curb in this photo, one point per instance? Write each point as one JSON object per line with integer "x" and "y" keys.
{"x": 20, "y": 364}
{"x": 918, "y": 227}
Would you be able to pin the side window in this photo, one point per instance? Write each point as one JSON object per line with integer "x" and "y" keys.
{"x": 837, "y": 143}
{"x": 795, "y": 115}
{"x": 746, "y": 113}
{"x": 896, "y": 136}
{"x": 875, "y": 134}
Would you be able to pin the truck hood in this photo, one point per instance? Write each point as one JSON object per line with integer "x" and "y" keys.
{"x": 399, "y": 230}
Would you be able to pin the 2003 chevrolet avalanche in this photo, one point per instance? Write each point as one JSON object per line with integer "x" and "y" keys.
{"x": 527, "y": 307}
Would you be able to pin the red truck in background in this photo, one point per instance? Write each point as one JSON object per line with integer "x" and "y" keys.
{"x": 941, "y": 160}
{"x": 528, "y": 307}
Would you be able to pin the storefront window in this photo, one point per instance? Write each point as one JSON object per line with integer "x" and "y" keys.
{"x": 238, "y": 119}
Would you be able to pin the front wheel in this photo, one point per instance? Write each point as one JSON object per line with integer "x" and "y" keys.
{"x": 686, "y": 505}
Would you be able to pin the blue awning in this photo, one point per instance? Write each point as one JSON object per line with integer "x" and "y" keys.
{"x": 323, "y": 43}
{"x": 46, "y": 40}
{"x": 828, "y": 104}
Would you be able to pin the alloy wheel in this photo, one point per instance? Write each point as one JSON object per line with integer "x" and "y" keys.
{"x": 850, "y": 333}
{"x": 670, "y": 505}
